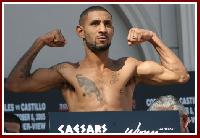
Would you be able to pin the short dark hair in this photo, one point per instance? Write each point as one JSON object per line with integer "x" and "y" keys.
{"x": 168, "y": 102}
{"x": 92, "y": 8}
{"x": 10, "y": 117}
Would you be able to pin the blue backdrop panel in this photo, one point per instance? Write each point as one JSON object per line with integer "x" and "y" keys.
{"x": 114, "y": 122}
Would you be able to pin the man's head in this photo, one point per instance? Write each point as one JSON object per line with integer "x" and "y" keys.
{"x": 170, "y": 103}
{"x": 12, "y": 123}
{"x": 95, "y": 28}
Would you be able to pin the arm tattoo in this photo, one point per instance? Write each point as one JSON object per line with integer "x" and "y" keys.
{"x": 89, "y": 86}
{"x": 25, "y": 63}
{"x": 25, "y": 69}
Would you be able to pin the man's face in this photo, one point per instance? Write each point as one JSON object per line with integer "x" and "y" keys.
{"x": 98, "y": 30}
{"x": 12, "y": 127}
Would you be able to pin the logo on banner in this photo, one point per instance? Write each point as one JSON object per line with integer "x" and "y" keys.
{"x": 102, "y": 129}
{"x": 82, "y": 128}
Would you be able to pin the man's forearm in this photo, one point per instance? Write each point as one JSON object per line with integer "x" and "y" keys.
{"x": 168, "y": 59}
{"x": 23, "y": 67}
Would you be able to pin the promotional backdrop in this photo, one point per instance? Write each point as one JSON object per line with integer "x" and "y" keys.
{"x": 33, "y": 109}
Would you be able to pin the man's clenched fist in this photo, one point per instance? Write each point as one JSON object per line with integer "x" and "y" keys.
{"x": 54, "y": 38}
{"x": 137, "y": 36}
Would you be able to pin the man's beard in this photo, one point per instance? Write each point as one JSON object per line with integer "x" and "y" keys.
{"x": 96, "y": 49}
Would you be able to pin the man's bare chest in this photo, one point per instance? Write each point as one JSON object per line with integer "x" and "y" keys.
{"x": 95, "y": 81}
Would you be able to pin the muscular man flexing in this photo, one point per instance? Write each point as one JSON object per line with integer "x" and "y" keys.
{"x": 97, "y": 83}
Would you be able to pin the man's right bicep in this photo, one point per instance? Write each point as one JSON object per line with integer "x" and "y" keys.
{"x": 42, "y": 80}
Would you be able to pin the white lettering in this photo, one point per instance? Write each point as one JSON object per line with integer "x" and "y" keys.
{"x": 98, "y": 129}
{"x": 69, "y": 129}
{"x": 32, "y": 117}
{"x": 149, "y": 102}
{"x": 137, "y": 130}
{"x": 34, "y": 126}
{"x": 60, "y": 129}
{"x": 76, "y": 128}
{"x": 33, "y": 106}
{"x": 104, "y": 128}
{"x": 38, "y": 126}
{"x": 192, "y": 119}
{"x": 40, "y": 116}
{"x": 82, "y": 129}
{"x": 191, "y": 111}
{"x": 90, "y": 129}
{"x": 63, "y": 107}
{"x": 24, "y": 117}
{"x": 9, "y": 107}
{"x": 187, "y": 100}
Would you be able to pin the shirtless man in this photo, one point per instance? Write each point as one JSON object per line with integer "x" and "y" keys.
{"x": 97, "y": 83}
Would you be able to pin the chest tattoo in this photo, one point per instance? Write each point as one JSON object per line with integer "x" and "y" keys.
{"x": 89, "y": 86}
{"x": 114, "y": 78}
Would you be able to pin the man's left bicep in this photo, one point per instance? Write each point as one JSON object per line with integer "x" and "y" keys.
{"x": 151, "y": 72}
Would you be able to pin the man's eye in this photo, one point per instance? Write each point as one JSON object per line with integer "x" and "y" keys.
{"x": 108, "y": 24}
{"x": 94, "y": 23}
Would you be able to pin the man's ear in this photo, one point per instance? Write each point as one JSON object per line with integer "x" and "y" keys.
{"x": 185, "y": 121}
{"x": 113, "y": 30}
{"x": 80, "y": 32}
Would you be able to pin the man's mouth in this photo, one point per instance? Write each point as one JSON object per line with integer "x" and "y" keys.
{"x": 102, "y": 37}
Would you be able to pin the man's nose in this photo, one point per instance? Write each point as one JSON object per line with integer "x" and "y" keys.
{"x": 102, "y": 28}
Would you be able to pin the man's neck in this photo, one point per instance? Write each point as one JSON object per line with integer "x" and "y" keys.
{"x": 98, "y": 59}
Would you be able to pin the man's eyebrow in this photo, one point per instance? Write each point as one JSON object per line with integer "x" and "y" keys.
{"x": 107, "y": 20}
{"x": 94, "y": 20}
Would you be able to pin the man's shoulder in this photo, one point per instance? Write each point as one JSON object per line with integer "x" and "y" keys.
{"x": 66, "y": 64}
{"x": 127, "y": 60}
